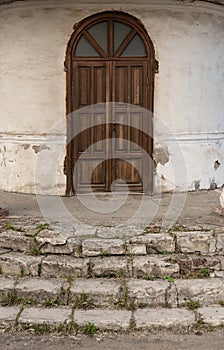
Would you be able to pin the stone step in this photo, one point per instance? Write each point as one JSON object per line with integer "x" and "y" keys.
{"x": 66, "y": 319}
{"x": 111, "y": 293}
{"x": 146, "y": 267}
{"x": 85, "y": 242}
{"x": 149, "y": 266}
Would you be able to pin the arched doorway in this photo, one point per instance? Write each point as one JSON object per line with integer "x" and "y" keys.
{"x": 110, "y": 58}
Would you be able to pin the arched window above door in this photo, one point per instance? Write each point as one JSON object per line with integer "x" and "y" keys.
{"x": 110, "y": 38}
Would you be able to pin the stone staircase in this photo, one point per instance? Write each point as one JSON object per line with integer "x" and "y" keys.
{"x": 71, "y": 278}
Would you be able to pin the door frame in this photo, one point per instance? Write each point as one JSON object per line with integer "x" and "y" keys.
{"x": 152, "y": 67}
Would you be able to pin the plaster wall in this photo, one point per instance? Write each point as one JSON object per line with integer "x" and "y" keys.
{"x": 189, "y": 91}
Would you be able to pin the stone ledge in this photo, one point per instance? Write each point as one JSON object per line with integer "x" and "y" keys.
{"x": 97, "y": 246}
{"x": 213, "y": 315}
{"x": 98, "y": 292}
{"x": 62, "y": 266}
{"x": 38, "y": 289}
{"x": 17, "y": 264}
{"x": 155, "y": 243}
{"x": 163, "y": 317}
{"x": 8, "y": 313}
{"x": 112, "y": 292}
{"x": 152, "y": 266}
{"x": 137, "y": 266}
{"x": 106, "y": 319}
{"x": 206, "y": 291}
{"x": 112, "y": 240}
{"x": 49, "y": 316}
{"x": 196, "y": 242}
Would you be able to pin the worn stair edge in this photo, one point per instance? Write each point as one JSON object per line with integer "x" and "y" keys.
{"x": 150, "y": 266}
{"x": 112, "y": 293}
{"x": 58, "y": 319}
{"x": 56, "y": 241}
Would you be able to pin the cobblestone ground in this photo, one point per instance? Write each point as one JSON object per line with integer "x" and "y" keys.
{"x": 156, "y": 341}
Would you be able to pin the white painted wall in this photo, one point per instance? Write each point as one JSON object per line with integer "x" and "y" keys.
{"x": 189, "y": 89}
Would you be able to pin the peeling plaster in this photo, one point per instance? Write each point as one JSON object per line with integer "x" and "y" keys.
{"x": 26, "y": 146}
{"x": 216, "y": 164}
{"x": 197, "y": 185}
{"x": 213, "y": 184}
{"x": 4, "y": 159}
{"x": 39, "y": 148}
{"x": 161, "y": 155}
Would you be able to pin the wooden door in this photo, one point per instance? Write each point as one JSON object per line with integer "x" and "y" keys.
{"x": 130, "y": 92}
{"x": 105, "y": 67}
{"x": 89, "y": 146}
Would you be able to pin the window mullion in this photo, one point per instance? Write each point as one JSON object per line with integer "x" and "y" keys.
{"x": 125, "y": 43}
{"x": 110, "y": 38}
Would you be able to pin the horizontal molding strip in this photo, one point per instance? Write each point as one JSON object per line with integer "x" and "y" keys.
{"x": 33, "y": 139}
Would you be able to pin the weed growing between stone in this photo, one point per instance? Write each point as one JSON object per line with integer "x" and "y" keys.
{"x": 192, "y": 304}
{"x": 82, "y": 301}
{"x": 12, "y": 298}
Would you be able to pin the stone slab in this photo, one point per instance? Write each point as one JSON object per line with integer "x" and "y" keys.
{"x": 154, "y": 266}
{"x": 110, "y": 267}
{"x": 14, "y": 240}
{"x": 167, "y": 318}
{"x": 39, "y": 289}
{"x": 206, "y": 291}
{"x": 213, "y": 315}
{"x": 104, "y": 318}
{"x": 100, "y": 292}
{"x": 53, "y": 242}
{"x": 8, "y": 313}
{"x": 219, "y": 274}
{"x": 97, "y": 246}
{"x": 48, "y": 248}
{"x": 49, "y": 316}
{"x": 63, "y": 266}
{"x": 220, "y": 243}
{"x": 196, "y": 242}
{"x": 52, "y": 237}
{"x": 156, "y": 243}
{"x": 192, "y": 265}
{"x": 221, "y": 259}
{"x": 150, "y": 293}
{"x": 6, "y": 284}
{"x": 17, "y": 264}
{"x": 75, "y": 245}
{"x": 136, "y": 249}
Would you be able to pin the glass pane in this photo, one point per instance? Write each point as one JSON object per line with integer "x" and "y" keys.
{"x": 99, "y": 33}
{"x": 84, "y": 48}
{"x": 120, "y": 33}
{"x": 135, "y": 48}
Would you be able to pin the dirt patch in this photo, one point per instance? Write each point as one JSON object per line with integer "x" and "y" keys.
{"x": 140, "y": 341}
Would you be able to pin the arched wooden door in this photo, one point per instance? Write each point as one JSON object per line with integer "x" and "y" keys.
{"x": 110, "y": 58}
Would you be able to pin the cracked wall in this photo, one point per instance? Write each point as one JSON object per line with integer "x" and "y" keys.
{"x": 189, "y": 89}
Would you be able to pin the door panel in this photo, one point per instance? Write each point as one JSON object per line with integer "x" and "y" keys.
{"x": 102, "y": 163}
{"x": 129, "y": 80}
{"x": 90, "y": 151}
